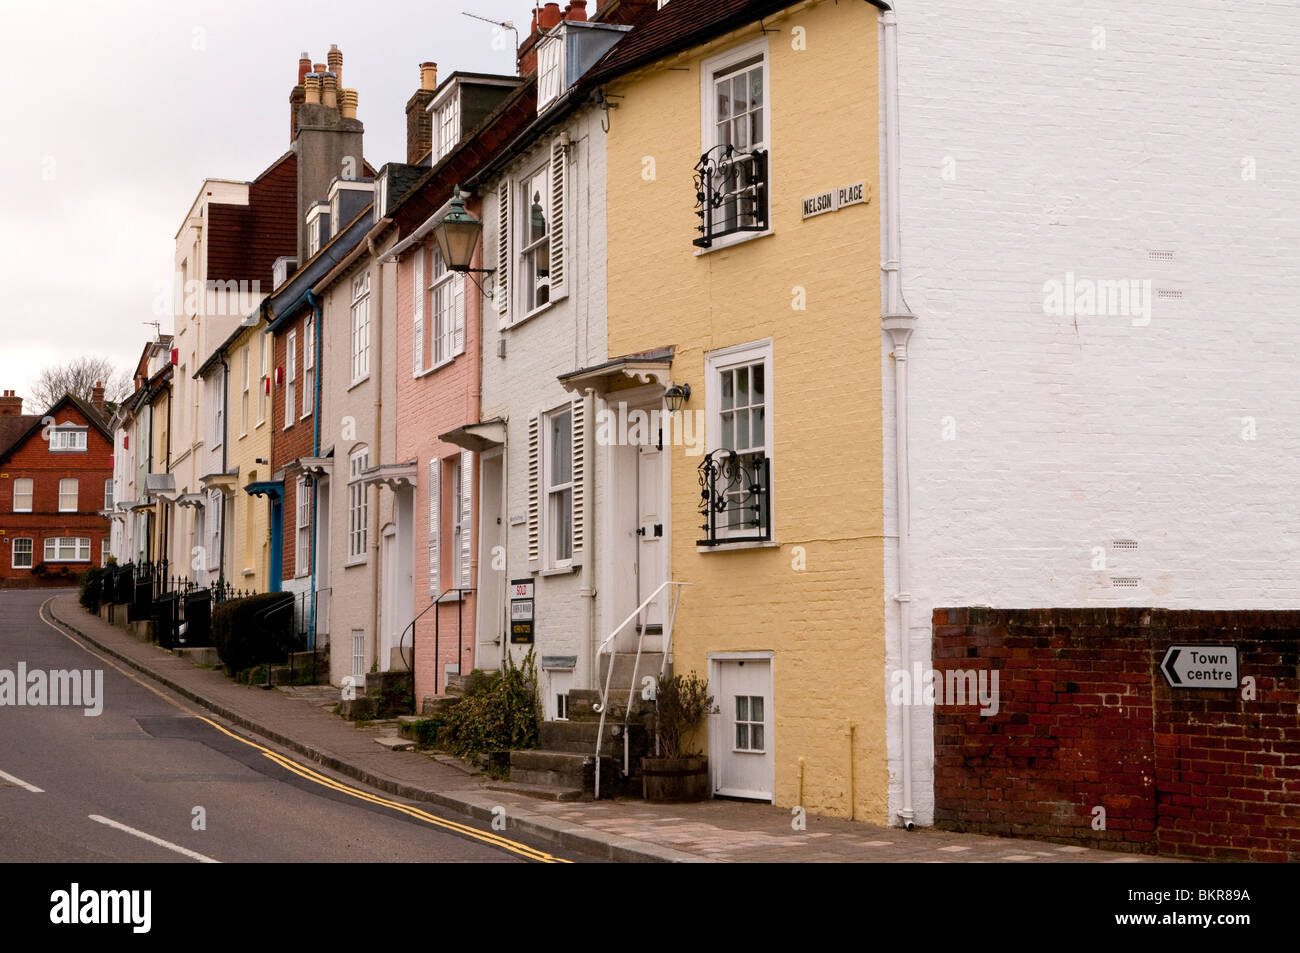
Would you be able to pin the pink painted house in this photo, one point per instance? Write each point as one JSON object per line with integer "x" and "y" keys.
{"x": 439, "y": 373}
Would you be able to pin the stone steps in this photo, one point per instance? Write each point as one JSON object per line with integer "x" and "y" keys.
{"x": 543, "y": 792}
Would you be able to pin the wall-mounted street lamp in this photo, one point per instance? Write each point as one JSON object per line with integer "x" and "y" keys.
{"x": 677, "y": 396}
{"x": 457, "y": 236}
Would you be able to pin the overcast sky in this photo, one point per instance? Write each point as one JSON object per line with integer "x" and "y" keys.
{"x": 116, "y": 112}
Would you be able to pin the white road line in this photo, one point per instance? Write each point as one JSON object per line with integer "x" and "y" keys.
{"x": 154, "y": 840}
{"x": 22, "y": 784}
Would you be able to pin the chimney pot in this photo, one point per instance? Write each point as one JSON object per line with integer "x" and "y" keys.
{"x": 335, "y": 60}
{"x": 550, "y": 16}
{"x": 311, "y": 88}
{"x": 329, "y": 91}
{"x": 577, "y": 10}
{"x": 348, "y": 108}
{"x": 304, "y": 67}
{"x": 429, "y": 76}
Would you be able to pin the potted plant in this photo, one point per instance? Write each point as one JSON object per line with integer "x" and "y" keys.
{"x": 678, "y": 774}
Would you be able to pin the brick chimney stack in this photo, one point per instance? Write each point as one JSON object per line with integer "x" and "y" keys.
{"x": 327, "y": 134}
{"x": 97, "y": 396}
{"x": 11, "y": 405}
{"x": 419, "y": 125}
{"x": 544, "y": 20}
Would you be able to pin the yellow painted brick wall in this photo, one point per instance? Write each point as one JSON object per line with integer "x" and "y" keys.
{"x": 825, "y": 624}
{"x": 243, "y": 453}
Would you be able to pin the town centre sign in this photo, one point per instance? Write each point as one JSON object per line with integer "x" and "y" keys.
{"x": 1200, "y": 666}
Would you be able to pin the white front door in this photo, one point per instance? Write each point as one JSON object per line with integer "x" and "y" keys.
{"x": 490, "y": 626}
{"x": 740, "y": 734}
{"x": 651, "y": 543}
{"x": 388, "y": 593}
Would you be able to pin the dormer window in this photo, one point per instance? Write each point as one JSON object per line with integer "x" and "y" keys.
{"x": 447, "y": 126}
{"x": 318, "y": 227}
{"x": 550, "y": 70}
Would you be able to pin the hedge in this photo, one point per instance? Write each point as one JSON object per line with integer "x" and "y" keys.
{"x": 253, "y": 630}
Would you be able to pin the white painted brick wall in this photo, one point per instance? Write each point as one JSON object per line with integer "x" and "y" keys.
{"x": 569, "y": 336}
{"x": 1073, "y": 432}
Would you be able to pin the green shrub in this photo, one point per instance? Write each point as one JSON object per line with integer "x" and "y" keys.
{"x": 253, "y": 630}
{"x": 681, "y": 703}
{"x": 499, "y": 713}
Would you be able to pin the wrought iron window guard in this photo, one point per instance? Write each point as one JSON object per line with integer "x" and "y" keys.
{"x": 730, "y": 193}
{"x": 730, "y": 484}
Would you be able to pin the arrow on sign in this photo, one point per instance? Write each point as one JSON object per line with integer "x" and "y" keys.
{"x": 1167, "y": 666}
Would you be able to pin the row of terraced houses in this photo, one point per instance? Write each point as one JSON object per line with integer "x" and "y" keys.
{"x": 798, "y": 345}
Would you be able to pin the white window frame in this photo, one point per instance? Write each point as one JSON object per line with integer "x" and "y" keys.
{"x": 65, "y": 491}
{"x": 262, "y": 389}
{"x": 31, "y": 552}
{"x": 302, "y": 536}
{"x": 551, "y": 489}
{"x": 729, "y": 358}
{"x": 308, "y": 366}
{"x": 750, "y": 724}
{"x": 524, "y": 274}
{"x": 313, "y": 236}
{"x": 550, "y": 70}
{"x": 108, "y": 494}
{"x": 446, "y": 315}
{"x": 68, "y": 438}
{"x": 77, "y": 544}
{"x": 448, "y": 126}
{"x": 358, "y": 505}
{"x": 244, "y": 397}
{"x": 218, "y": 434}
{"x": 709, "y": 72}
{"x": 290, "y": 376}
{"x": 30, "y": 494}
{"x": 361, "y": 327}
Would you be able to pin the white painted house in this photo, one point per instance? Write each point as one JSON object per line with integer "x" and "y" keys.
{"x": 1097, "y": 211}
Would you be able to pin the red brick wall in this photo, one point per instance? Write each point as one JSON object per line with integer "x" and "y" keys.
{"x": 289, "y": 445}
{"x": 1086, "y": 719}
{"x": 33, "y": 460}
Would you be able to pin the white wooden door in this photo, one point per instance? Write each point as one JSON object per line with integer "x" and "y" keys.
{"x": 740, "y": 736}
{"x": 651, "y": 541}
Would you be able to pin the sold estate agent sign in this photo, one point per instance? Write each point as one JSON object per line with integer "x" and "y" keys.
{"x": 521, "y": 612}
{"x": 1200, "y": 666}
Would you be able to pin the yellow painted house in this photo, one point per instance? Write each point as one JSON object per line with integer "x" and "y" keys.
{"x": 248, "y": 439}
{"x": 744, "y": 249}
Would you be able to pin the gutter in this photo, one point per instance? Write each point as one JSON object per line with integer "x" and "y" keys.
{"x": 315, "y": 452}
{"x": 899, "y": 321}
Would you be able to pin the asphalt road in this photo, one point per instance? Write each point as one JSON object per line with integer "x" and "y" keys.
{"x": 128, "y": 784}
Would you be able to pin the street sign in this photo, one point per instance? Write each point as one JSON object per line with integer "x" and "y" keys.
{"x": 1200, "y": 666}
{"x": 832, "y": 200}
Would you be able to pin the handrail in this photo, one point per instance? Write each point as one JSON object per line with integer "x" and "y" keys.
{"x": 603, "y": 707}
{"x": 401, "y": 641}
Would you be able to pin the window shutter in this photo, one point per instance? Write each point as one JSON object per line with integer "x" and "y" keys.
{"x": 579, "y": 430}
{"x": 557, "y": 221}
{"x": 466, "y": 515}
{"x": 534, "y": 477}
{"x": 503, "y": 251}
{"x": 459, "y": 335}
{"x": 417, "y": 348}
{"x": 435, "y": 530}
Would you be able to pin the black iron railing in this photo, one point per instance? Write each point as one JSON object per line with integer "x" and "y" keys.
{"x": 731, "y": 193}
{"x": 735, "y": 498}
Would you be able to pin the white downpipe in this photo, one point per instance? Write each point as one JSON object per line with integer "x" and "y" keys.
{"x": 899, "y": 321}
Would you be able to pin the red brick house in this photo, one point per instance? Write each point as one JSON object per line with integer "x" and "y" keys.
{"x": 56, "y": 477}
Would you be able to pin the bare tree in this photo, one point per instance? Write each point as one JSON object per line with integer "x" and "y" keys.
{"x": 79, "y": 377}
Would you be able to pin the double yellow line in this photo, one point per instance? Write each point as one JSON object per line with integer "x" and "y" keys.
{"x": 494, "y": 840}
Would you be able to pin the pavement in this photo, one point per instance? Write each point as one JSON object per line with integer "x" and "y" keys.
{"x": 616, "y": 830}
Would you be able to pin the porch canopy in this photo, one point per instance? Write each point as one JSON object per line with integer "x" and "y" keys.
{"x": 395, "y": 476}
{"x": 227, "y": 482}
{"x": 620, "y": 373}
{"x": 195, "y": 500}
{"x": 315, "y": 467}
{"x": 478, "y": 437}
